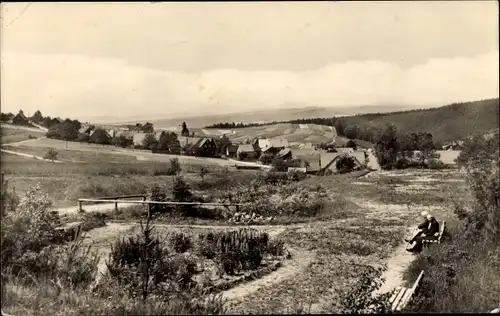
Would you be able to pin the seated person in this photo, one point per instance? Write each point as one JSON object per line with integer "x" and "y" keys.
{"x": 431, "y": 233}
{"x": 422, "y": 227}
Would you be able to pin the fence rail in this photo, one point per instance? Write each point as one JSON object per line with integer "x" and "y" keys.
{"x": 143, "y": 196}
{"x": 149, "y": 203}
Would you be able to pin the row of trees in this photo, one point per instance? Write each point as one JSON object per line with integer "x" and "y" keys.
{"x": 37, "y": 118}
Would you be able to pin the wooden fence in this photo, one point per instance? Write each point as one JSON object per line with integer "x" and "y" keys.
{"x": 149, "y": 203}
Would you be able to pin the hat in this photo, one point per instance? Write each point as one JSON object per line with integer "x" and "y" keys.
{"x": 429, "y": 216}
{"x": 424, "y": 213}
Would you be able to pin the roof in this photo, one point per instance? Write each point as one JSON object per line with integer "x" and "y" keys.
{"x": 246, "y": 148}
{"x": 311, "y": 156}
{"x": 21, "y": 115}
{"x": 356, "y": 161}
{"x": 284, "y": 152}
{"x": 127, "y": 134}
{"x": 184, "y": 141}
{"x": 359, "y": 155}
{"x": 344, "y": 149}
{"x": 232, "y": 148}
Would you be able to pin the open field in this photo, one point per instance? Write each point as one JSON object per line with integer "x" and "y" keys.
{"x": 356, "y": 231}
{"x": 13, "y": 134}
{"x": 84, "y": 152}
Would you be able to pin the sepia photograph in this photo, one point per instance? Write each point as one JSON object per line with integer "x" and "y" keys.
{"x": 273, "y": 157}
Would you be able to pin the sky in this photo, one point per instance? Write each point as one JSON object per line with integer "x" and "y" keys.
{"x": 176, "y": 59}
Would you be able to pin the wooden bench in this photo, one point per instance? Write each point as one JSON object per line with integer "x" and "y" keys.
{"x": 439, "y": 236}
{"x": 403, "y": 295}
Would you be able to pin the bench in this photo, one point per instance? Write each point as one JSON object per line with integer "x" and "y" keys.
{"x": 403, "y": 295}
{"x": 439, "y": 236}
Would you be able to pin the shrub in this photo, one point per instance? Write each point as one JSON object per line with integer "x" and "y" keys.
{"x": 234, "y": 250}
{"x": 157, "y": 193}
{"x": 279, "y": 164}
{"x": 51, "y": 154}
{"x": 143, "y": 265}
{"x": 345, "y": 164}
{"x": 435, "y": 164}
{"x": 266, "y": 159}
{"x": 296, "y": 176}
{"x": 93, "y": 220}
{"x": 181, "y": 242}
{"x": 175, "y": 167}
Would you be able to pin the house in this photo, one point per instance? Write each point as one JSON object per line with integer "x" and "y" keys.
{"x": 231, "y": 150}
{"x": 247, "y": 151}
{"x": 275, "y": 142}
{"x": 454, "y": 145}
{"x": 272, "y": 150}
{"x": 185, "y": 141}
{"x": 311, "y": 156}
{"x": 21, "y": 119}
{"x": 332, "y": 165}
{"x": 127, "y": 134}
{"x": 85, "y": 129}
{"x": 204, "y": 147}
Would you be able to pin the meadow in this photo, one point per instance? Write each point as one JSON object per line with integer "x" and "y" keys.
{"x": 324, "y": 238}
{"x": 336, "y": 230}
{"x": 13, "y": 135}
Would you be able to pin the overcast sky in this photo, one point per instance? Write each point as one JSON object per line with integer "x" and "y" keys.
{"x": 124, "y": 59}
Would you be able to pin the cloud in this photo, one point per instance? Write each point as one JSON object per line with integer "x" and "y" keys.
{"x": 76, "y": 86}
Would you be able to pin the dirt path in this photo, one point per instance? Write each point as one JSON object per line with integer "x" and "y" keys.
{"x": 300, "y": 260}
{"x": 28, "y": 155}
{"x": 396, "y": 266}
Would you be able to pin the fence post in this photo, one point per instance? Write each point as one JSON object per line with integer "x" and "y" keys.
{"x": 116, "y": 206}
{"x": 237, "y": 208}
{"x": 80, "y": 205}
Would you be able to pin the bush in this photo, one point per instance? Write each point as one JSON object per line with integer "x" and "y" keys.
{"x": 51, "y": 154}
{"x": 174, "y": 168}
{"x": 288, "y": 200}
{"x": 279, "y": 164}
{"x": 143, "y": 266}
{"x": 266, "y": 159}
{"x": 93, "y": 220}
{"x": 435, "y": 164}
{"x": 158, "y": 194}
{"x": 235, "y": 250}
{"x": 345, "y": 164}
{"x": 27, "y": 250}
{"x": 181, "y": 242}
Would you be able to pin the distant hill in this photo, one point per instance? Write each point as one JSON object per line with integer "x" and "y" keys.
{"x": 446, "y": 123}
{"x": 293, "y": 112}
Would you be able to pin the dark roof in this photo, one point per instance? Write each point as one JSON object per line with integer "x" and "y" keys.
{"x": 232, "y": 148}
{"x": 246, "y": 148}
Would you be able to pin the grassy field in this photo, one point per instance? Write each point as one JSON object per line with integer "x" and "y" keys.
{"x": 354, "y": 232}
{"x": 13, "y": 135}
{"x": 335, "y": 228}
{"x": 83, "y": 152}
